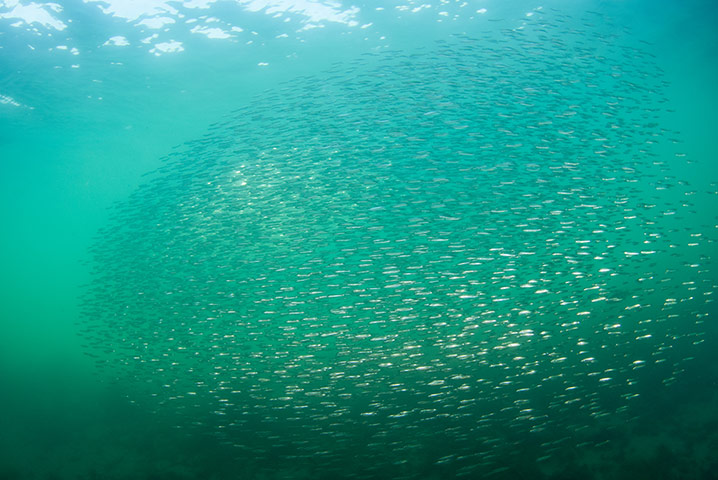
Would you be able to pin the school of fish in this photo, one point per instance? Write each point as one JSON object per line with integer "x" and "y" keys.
{"x": 427, "y": 261}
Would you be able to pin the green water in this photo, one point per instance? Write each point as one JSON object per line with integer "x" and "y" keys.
{"x": 442, "y": 243}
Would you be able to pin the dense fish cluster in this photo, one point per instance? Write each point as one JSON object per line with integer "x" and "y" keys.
{"x": 425, "y": 261}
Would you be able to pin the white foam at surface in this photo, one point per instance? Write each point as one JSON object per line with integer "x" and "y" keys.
{"x": 117, "y": 40}
{"x": 198, "y": 3}
{"x": 171, "y": 16}
{"x": 150, "y": 38}
{"x": 132, "y": 10}
{"x": 156, "y": 22}
{"x": 313, "y": 10}
{"x": 309, "y": 26}
{"x": 33, "y": 13}
{"x": 211, "y": 32}
{"x": 172, "y": 46}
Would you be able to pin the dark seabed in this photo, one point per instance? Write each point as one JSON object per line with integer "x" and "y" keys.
{"x": 322, "y": 240}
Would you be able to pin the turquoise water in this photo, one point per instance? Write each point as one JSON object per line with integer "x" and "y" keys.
{"x": 465, "y": 239}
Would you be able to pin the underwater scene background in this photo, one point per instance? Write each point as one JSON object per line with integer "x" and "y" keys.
{"x": 284, "y": 239}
